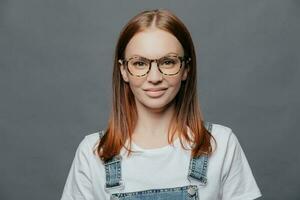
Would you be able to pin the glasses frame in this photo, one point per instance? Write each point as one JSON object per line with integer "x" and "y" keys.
{"x": 181, "y": 58}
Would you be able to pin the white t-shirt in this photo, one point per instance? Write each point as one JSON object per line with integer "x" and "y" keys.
{"x": 229, "y": 176}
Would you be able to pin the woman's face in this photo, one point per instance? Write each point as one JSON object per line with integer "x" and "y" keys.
{"x": 153, "y": 44}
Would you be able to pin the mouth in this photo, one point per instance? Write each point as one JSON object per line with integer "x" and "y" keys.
{"x": 154, "y": 93}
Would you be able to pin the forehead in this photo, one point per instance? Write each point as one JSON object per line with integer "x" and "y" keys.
{"x": 153, "y": 43}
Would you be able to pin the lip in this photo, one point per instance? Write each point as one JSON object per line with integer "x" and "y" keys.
{"x": 155, "y": 92}
{"x": 155, "y": 89}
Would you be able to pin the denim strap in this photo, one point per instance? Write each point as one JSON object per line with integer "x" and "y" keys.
{"x": 112, "y": 171}
{"x": 197, "y": 168}
{"x": 101, "y": 134}
{"x": 198, "y": 165}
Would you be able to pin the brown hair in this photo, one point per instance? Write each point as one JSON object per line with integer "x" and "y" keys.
{"x": 123, "y": 117}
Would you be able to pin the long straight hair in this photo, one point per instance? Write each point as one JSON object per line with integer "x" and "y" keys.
{"x": 123, "y": 116}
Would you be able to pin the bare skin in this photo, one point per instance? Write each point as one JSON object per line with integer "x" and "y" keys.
{"x": 154, "y": 114}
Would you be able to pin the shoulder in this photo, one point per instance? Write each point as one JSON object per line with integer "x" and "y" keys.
{"x": 89, "y": 143}
{"x": 92, "y": 138}
{"x": 221, "y": 132}
{"x": 224, "y": 137}
{"x": 231, "y": 166}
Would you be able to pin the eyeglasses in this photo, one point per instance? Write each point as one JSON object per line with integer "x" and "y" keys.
{"x": 168, "y": 65}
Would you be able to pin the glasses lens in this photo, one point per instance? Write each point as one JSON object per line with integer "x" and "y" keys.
{"x": 138, "y": 66}
{"x": 170, "y": 65}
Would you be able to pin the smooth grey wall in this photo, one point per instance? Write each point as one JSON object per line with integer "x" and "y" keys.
{"x": 55, "y": 83}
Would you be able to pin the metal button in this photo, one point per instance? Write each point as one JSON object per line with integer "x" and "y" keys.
{"x": 192, "y": 191}
{"x": 114, "y": 197}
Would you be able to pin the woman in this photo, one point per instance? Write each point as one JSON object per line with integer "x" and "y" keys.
{"x": 157, "y": 145}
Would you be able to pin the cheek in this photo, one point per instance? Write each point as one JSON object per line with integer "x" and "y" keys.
{"x": 174, "y": 86}
{"x": 135, "y": 85}
{"x": 175, "y": 82}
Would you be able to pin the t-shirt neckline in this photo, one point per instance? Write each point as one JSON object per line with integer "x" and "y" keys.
{"x": 156, "y": 150}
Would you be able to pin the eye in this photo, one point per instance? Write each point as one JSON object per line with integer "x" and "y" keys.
{"x": 139, "y": 63}
{"x": 169, "y": 62}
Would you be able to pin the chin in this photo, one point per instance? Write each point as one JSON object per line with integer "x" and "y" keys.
{"x": 156, "y": 104}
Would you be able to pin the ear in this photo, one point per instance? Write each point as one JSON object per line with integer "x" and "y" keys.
{"x": 186, "y": 70}
{"x": 185, "y": 73}
{"x": 123, "y": 71}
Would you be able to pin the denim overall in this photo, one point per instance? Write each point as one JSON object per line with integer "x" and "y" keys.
{"x": 197, "y": 171}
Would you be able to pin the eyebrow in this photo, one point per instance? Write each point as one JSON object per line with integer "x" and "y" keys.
{"x": 168, "y": 54}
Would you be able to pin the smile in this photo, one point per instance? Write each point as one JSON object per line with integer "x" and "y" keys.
{"x": 156, "y": 93}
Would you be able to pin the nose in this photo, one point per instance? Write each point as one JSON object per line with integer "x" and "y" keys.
{"x": 154, "y": 74}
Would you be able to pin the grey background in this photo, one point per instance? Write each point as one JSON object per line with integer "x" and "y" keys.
{"x": 55, "y": 83}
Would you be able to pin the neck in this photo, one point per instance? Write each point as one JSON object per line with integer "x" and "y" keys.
{"x": 153, "y": 122}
